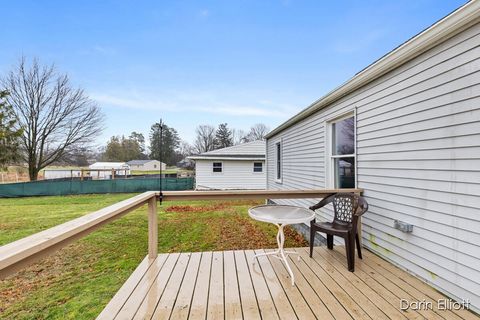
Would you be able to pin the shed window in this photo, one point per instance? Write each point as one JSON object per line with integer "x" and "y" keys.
{"x": 279, "y": 160}
{"x": 257, "y": 167}
{"x": 343, "y": 152}
{"x": 217, "y": 167}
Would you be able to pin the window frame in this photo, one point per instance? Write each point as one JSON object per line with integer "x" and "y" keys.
{"x": 261, "y": 167}
{"x": 330, "y": 156}
{"x": 213, "y": 167}
{"x": 279, "y": 161}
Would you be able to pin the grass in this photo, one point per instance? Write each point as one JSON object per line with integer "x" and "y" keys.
{"x": 79, "y": 280}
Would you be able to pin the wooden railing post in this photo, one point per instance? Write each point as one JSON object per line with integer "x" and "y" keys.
{"x": 152, "y": 228}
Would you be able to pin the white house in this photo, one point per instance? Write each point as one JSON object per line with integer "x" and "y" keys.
{"x": 146, "y": 165}
{"x": 238, "y": 167}
{"x": 103, "y": 170}
{"x": 406, "y": 129}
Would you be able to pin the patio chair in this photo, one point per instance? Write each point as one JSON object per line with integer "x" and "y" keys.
{"x": 347, "y": 208}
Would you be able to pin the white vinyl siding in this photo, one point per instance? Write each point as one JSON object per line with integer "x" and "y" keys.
{"x": 418, "y": 160}
{"x": 236, "y": 174}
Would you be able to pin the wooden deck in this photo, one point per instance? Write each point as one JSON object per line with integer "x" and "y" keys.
{"x": 226, "y": 285}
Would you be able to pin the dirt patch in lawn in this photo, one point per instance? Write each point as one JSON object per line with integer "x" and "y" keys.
{"x": 242, "y": 233}
{"x": 217, "y": 206}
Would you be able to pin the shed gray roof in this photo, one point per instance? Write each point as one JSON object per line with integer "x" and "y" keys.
{"x": 254, "y": 150}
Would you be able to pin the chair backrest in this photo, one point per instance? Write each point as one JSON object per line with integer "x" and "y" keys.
{"x": 347, "y": 207}
{"x": 344, "y": 206}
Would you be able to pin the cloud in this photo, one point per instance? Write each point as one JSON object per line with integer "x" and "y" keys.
{"x": 243, "y": 111}
{"x": 130, "y": 102}
{"x": 204, "y": 13}
{"x": 99, "y": 50}
{"x": 200, "y": 103}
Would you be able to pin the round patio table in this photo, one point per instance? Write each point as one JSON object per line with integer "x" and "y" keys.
{"x": 281, "y": 215}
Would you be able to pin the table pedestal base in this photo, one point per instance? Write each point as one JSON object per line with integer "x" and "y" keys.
{"x": 280, "y": 253}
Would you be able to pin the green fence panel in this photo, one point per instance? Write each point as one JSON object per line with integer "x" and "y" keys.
{"x": 56, "y": 188}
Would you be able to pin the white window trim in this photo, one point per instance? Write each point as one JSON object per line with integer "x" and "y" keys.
{"x": 223, "y": 168}
{"x": 280, "y": 181}
{"x": 329, "y": 157}
{"x": 253, "y": 167}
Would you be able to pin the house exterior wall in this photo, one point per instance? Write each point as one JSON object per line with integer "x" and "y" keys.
{"x": 418, "y": 161}
{"x": 149, "y": 166}
{"x": 236, "y": 174}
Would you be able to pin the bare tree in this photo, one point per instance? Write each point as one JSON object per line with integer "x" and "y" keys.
{"x": 185, "y": 149}
{"x": 257, "y": 132}
{"x": 205, "y": 140}
{"x": 56, "y": 117}
{"x": 238, "y": 136}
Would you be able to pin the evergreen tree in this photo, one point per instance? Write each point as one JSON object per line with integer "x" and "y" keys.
{"x": 163, "y": 148}
{"x": 223, "y": 136}
{"x": 140, "y": 139}
{"x": 9, "y": 132}
{"x": 122, "y": 149}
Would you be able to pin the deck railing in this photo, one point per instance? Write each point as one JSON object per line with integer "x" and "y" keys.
{"x": 20, "y": 253}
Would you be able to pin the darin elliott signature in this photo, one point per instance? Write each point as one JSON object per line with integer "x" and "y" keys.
{"x": 440, "y": 304}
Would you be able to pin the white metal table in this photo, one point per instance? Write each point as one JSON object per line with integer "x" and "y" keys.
{"x": 281, "y": 215}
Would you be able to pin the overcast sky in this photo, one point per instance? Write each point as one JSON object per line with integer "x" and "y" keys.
{"x": 207, "y": 62}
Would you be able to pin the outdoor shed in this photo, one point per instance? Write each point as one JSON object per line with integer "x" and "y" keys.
{"x": 104, "y": 170}
{"x": 239, "y": 167}
{"x": 406, "y": 129}
{"x": 146, "y": 165}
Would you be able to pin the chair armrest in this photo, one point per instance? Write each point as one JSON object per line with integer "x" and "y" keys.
{"x": 323, "y": 202}
{"x": 362, "y": 207}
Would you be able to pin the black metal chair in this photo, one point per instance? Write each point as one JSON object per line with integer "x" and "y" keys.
{"x": 347, "y": 208}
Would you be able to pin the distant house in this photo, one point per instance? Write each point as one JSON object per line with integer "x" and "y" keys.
{"x": 103, "y": 170}
{"x": 238, "y": 167}
{"x": 146, "y": 165}
{"x": 186, "y": 163}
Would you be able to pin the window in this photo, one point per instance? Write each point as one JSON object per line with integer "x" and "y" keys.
{"x": 155, "y": 166}
{"x": 342, "y": 155}
{"x": 257, "y": 167}
{"x": 279, "y": 160}
{"x": 217, "y": 167}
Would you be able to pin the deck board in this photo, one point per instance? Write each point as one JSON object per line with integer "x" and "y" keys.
{"x": 249, "y": 303}
{"x": 185, "y": 294}
{"x": 216, "y": 301}
{"x": 230, "y": 285}
{"x": 198, "y": 308}
{"x": 233, "y": 306}
{"x": 264, "y": 299}
{"x": 149, "y": 303}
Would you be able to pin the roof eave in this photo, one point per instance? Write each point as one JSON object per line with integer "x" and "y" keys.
{"x": 226, "y": 158}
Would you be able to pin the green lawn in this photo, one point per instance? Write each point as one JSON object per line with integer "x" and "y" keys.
{"x": 79, "y": 280}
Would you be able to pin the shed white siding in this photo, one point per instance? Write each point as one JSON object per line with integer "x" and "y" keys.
{"x": 236, "y": 174}
{"x": 153, "y": 165}
{"x": 58, "y": 174}
{"x": 418, "y": 158}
